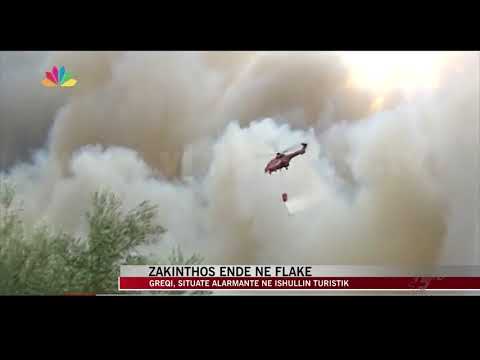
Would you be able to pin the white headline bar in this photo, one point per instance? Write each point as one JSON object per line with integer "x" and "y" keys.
{"x": 288, "y": 270}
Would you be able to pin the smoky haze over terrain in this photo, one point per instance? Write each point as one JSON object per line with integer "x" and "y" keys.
{"x": 190, "y": 131}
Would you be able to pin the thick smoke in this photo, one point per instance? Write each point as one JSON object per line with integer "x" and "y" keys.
{"x": 26, "y": 110}
{"x": 188, "y": 132}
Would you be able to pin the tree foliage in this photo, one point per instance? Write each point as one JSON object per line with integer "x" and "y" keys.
{"x": 46, "y": 261}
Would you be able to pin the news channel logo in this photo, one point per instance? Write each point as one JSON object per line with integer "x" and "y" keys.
{"x": 59, "y": 78}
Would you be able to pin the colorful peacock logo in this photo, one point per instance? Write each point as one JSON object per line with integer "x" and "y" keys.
{"x": 58, "y": 78}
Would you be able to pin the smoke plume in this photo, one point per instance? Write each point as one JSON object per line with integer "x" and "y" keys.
{"x": 189, "y": 130}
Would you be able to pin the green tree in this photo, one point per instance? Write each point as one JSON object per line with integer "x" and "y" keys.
{"x": 46, "y": 261}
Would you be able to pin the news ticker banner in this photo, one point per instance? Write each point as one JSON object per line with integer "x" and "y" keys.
{"x": 294, "y": 277}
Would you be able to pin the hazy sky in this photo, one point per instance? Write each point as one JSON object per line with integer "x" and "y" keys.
{"x": 392, "y": 157}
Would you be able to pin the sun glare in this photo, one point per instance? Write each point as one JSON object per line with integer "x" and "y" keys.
{"x": 408, "y": 71}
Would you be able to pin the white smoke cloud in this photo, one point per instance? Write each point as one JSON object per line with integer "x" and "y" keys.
{"x": 185, "y": 130}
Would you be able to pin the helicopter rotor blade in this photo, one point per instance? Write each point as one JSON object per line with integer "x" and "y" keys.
{"x": 275, "y": 150}
{"x": 264, "y": 155}
{"x": 290, "y": 148}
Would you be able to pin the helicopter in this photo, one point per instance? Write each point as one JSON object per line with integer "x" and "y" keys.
{"x": 282, "y": 160}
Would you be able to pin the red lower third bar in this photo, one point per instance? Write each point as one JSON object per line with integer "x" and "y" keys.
{"x": 305, "y": 283}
